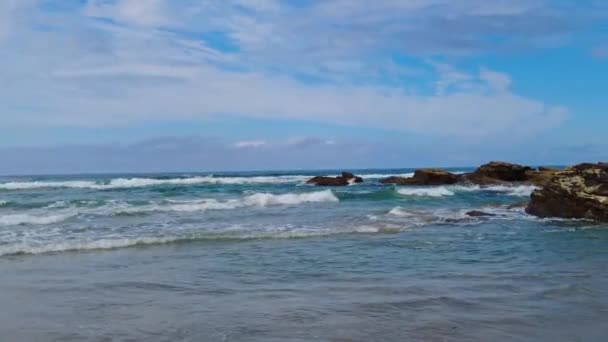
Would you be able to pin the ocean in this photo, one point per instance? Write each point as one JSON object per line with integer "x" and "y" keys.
{"x": 260, "y": 256}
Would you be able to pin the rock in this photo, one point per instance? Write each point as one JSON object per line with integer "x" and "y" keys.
{"x": 473, "y": 178}
{"x": 580, "y": 191}
{"x": 540, "y": 178}
{"x": 504, "y": 171}
{"x": 349, "y": 176}
{"x": 395, "y": 180}
{"x": 424, "y": 177}
{"x": 546, "y": 169}
{"x": 477, "y": 213}
{"x": 501, "y": 173}
{"x": 517, "y": 205}
{"x": 344, "y": 179}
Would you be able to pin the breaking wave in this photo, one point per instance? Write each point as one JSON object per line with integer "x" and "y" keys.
{"x": 125, "y": 183}
{"x": 440, "y": 191}
{"x": 17, "y": 219}
{"x": 117, "y": 208}
{"x": 430, "y": 191}
{"x": 252, "y": 200}
{"x": 516, "y": 191}
{"x": 37, "y": 247}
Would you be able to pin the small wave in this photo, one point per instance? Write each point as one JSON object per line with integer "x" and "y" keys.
{"x": 252, "y": 200}
{"x": 17, "y": 219}
{"x": 40, "y": 184}
{"x": 430, "y": 192}
{"x": 516, "y": 191}
{"x": 125, "y": 183}
{"x": 35, "y": 247}
{"x": 3, "y": 203}
{"x": 265, "y": 199}
{"x": 379, "y": 175}
{"x": 421, "y": 216}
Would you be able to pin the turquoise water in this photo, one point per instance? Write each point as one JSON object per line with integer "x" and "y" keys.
{"x": 263, "y": 257}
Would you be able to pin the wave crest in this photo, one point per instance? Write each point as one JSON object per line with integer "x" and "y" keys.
{"x": 230, "y": 234}
{"x": 252, "y": 200}
{"x": 429, "y": 192}
{"x": 125, "y": 183}
{"x": 17, "y": 219}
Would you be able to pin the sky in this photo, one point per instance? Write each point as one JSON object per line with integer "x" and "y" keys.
{"x": 203, "y": 85}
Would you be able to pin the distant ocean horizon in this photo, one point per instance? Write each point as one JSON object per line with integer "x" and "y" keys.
{"x": 261, "y": 256}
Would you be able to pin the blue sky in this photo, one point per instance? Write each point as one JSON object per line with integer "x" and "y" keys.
{"x": 153, "y": 85}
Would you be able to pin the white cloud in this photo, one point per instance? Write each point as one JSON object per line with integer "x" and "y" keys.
{"x": 496, "y": 80}
{"x": 135, "y": 12}
{"x": 600, "y": 51}
{"x": 156, "y": 65}
{"x": 250, "y": 144}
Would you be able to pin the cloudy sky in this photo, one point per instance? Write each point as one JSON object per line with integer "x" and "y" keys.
{"x": 184, "y": 85}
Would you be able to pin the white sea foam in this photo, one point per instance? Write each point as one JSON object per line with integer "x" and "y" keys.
{"x": 427, "y": 191}
{"x": 16, "y": 219}
{"x": 266, "y": 199}
{"x": 252, "y": 200}
{"x": 122, "y": 183}
{"x": 402, "y": 212}
{"x": 3, "y": 203}
{"x": 379, "y": 175}
{"x": 517, "y": 190}
{"x": 37, "y": 246}
{"x": 40, "y": 184}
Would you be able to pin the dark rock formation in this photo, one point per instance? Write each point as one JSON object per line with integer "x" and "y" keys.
{"x": 545, "y": 169}
{"x": 504, "y": 171}
{"x": 424, "y": 177}
{"x": 345, "y": 178}
{"x": 540, "y": 178}
{"x": 517, "y": 205}
{"x": 477, "y": 213}
{"x": 580, "y": 191}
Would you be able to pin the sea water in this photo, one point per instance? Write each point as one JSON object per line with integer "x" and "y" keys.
{"x": 261, "y": 256}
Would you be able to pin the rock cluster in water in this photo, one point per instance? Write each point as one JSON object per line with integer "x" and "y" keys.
{"x": 345, "y": 178}
{"x": 579, "y": 191}
{"x": 492, "y": 173}
{"x": 424, "y": 177}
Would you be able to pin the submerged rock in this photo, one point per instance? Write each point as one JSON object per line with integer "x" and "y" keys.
{"x": 424, "y": 177}
{"x": 580, "y": 191}
{"x": 344, "y": 179}
{"x": 477, "y": 213}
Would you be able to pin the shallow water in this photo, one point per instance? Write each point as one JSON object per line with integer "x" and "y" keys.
{"x": 261, "y": 257}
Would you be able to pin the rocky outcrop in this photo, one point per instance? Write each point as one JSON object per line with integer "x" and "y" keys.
{"x": 540, "y": 177}
{"x": 503, "y": 173}
{"x": 346, "y": 178}
{"x": 545, "y": 169}
{"x": 424, "y": 177}
{"x": 496, "y": 172}
{"x": 580, "y": 191}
